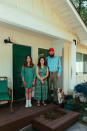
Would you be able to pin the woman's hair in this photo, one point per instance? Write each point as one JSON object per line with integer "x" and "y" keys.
{"x": 26, "y": 64}
{"x": 39, "y": 64}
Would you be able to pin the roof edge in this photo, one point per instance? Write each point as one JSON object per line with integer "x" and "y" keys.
{"x": 77, "y": 14}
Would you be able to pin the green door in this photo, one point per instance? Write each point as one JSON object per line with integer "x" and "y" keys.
{"x": 19, "y": 54}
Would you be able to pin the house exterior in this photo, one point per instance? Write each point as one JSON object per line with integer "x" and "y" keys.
{"x": 42, "y": 24}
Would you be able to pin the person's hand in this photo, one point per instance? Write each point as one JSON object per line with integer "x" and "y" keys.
{"x": 41, "y": 79}
{"x": 58, "y": 76}
{"x": 42, "y": 82}
{"x": 33, "y": 83}
{"x": 24, "y": 83}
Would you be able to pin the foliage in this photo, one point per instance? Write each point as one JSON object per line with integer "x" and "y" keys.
{"x": 81, "y": 6}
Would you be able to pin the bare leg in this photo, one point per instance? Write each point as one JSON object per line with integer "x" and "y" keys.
{"x": 38, "y": 102}
{"x": 29, "y": 93}
{"x": 29, "y": 97}
{"x": 43, "y": 101}
{"x": 26, "y": 95}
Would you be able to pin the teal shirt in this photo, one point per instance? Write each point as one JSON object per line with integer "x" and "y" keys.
{"x": 29, "y": 75}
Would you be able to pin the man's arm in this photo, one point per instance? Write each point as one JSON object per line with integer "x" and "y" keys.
{"x": 59, "y": 67}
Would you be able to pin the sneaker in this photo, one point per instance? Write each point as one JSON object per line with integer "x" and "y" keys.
{"x": 30, "y": 105}
{"x": 26, "y": 105}
{"x": 44, "y": 104}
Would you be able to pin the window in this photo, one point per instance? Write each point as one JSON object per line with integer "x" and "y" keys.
{"x": 84, "y": 63}
{"x": 81, "y": 63}
{"x": 43, "y": 52}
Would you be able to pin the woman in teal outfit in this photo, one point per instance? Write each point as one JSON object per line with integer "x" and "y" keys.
{"x": 28, "y": 79}
{"x": 41, "y": 89}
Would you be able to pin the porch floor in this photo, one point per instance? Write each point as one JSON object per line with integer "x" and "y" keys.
{"x": 20, "y": 117}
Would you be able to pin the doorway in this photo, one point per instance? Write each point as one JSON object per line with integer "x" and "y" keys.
{"x": 19, "y": 54}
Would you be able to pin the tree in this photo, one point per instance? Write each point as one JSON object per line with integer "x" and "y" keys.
{"x": 81, "y": 6}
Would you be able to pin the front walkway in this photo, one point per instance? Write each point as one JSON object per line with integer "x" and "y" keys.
{"x": 77, "y": 127}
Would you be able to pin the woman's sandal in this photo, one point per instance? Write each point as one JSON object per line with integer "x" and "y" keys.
{"x": 44, "y": 104}
{"x": 38, "y": 104}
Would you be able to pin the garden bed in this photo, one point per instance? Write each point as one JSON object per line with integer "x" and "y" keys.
{"x": 55, "y": 119}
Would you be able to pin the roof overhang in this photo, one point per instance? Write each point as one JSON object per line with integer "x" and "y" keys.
{"x": 18, "y": 18}
{"x": 71, "y": 18}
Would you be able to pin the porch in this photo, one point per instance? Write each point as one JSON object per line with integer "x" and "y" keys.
{"x": 22, "y": 117}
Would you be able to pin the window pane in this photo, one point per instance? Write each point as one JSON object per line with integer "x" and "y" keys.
{"x": 84, "y": 63}
{"x": 79, "y": 63}
{"x": 43, "y": 52}
{"x": 79, "y": 67}
{"x": 78, "y": 57}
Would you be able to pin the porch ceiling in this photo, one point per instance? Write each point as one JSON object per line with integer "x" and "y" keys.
{"x": 71, "y": 18}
